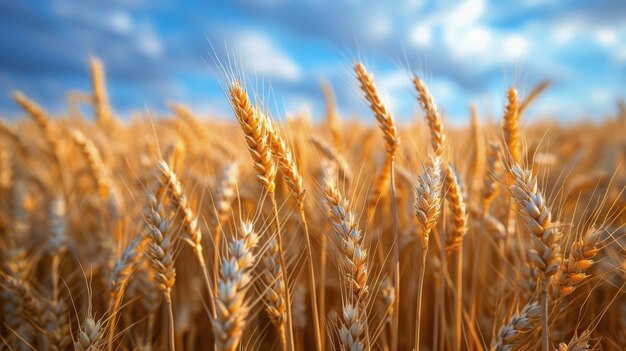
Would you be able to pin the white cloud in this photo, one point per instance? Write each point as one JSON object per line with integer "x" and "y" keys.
{"x": 121, "y": 22}
{"x": 467, "y": 13}
{"x": 263, "y": 57}
{"x": 422, "y": 34}
{"x": 414, "y": 5}
{"x": 620, "y": 55}
{"x": 564, "y": 32}
{"x": 381, "y": 28}
{"x": 470, "y": 42}
{"x": 600, "y": 96}
{"x": 606, "y": 37}
{"x": 514, "y": 47}
{"x": 149, "y": 43}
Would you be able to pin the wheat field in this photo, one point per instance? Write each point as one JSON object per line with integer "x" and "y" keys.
{"x": 178, "y": 232}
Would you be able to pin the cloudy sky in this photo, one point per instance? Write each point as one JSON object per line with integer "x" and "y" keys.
{"x": 467, "y": 51}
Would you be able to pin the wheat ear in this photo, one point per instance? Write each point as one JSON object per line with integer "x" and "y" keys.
{"x": 256, "y": 139}
{"x": 230, "y": 299}
{"x": 56, "y": 325}
{"x": 343, "y": 168}
{"x": 545, "y": 235}
{"x": 353, "y": 328}
{"x": 274, "y": 295}
{"x": 288, "y": 167}
{"x": 477, "y": 166}
{"x": 510, "y": 334}
{"x": 534, "y": 93}
{"x": 490, "y": 187}
{"x": 353, "y": 262}
{"x": 188, "y": 218}
{"x": 160, "y": 251}
{"x": 577, "y": 343}
{"x": 454, "y": 194}
{"x": 258, "y": 142}
{"x": 510, "y": 126}
{"x": 99, "y": 170}
{"x": 225, "y": 195}
{"x": 21, "y": 304}
{"x": 392, "y": 140}
{"x": 286, "y": 162}
{"x": 382, "y": 114}
{"x": 353, "y": 256}
{"x": 182, "y": 112}
{"x": 90, "y": 336}
{"x": 120, "y": 276}
{"x": 433, "y": 118}
{"x": 427, "y": 211}
{"x": 454, "y": 239}
{"x": 100, "y": 96}
{"x": 44, "y": 123}
{"x": 332, "y": 119}
{"x": 572, "y": 270}
{"x": 428, "y": 198}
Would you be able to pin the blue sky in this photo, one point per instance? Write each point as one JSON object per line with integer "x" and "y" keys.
{"x": 467, "y": 51}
